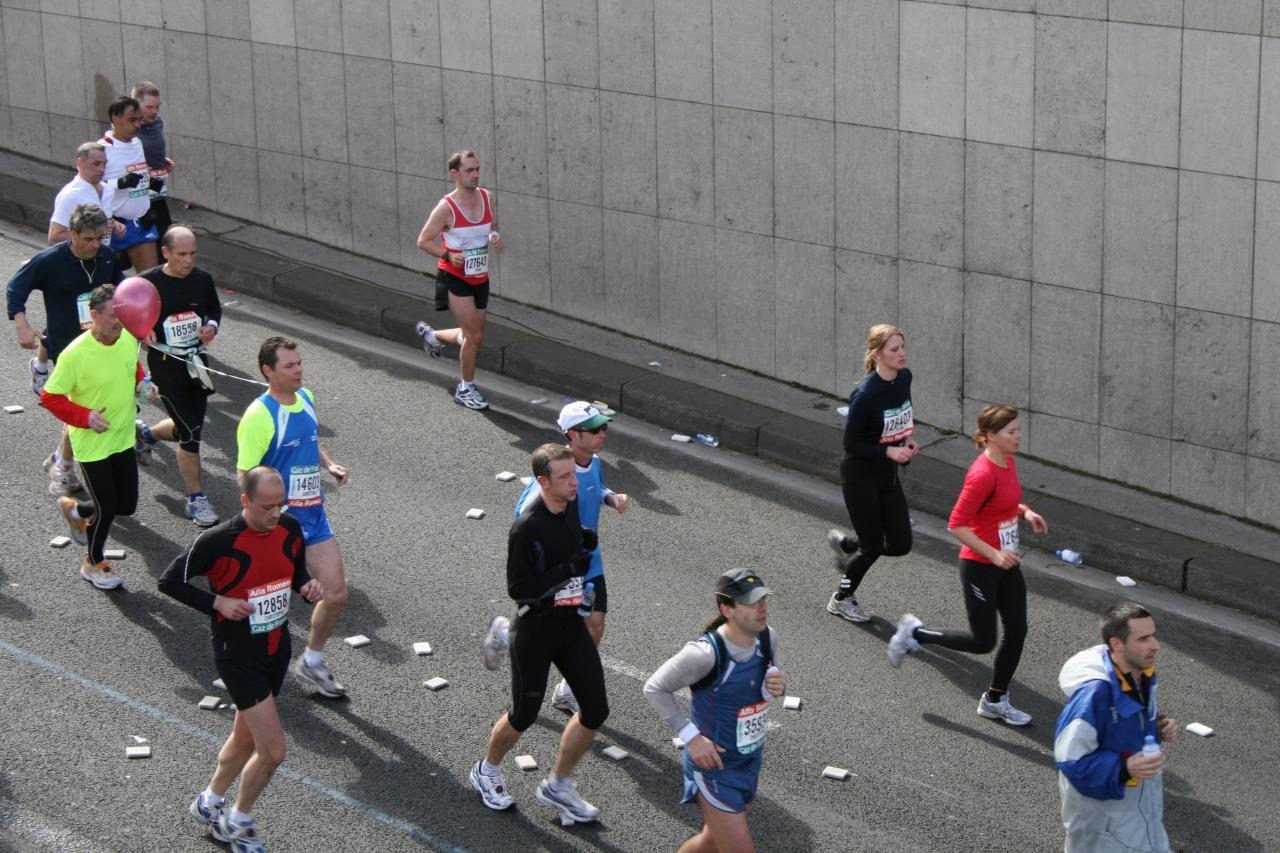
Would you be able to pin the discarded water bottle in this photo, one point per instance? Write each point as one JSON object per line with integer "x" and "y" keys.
{"x": 588, "y": 600}
{"x": 708, "y": 439}
{"x": 1072, "y": 557}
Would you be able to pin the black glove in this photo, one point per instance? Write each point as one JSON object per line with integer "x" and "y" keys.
{"x": 581, "y": 562}
{"x": 129, "y": 181}
{"x": 590, "y": 539}
{"x": 156, "y": 185}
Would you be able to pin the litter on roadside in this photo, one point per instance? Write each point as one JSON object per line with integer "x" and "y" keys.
{"x": 682, "y": 438}
{"x": 617, "y": 753}
{"x": 655, "y": 364}
{"x": 357, "y": 641}
{"x": 1199, "y": 729}
{"x": 209, "y": 703}
{"x": 13, "y": 410}
{"x": 504, "y": 476}
{"x": 837, "y": 773}
{"x": 436, "y": 683}
{"x": 792, "y": 703}
{"x": 842, "y": 411}
{"x": 137, "y": 752}
{"x": 677, "y": 743}
{"x": 526, "y": 480}
{"x": 422, "y": 648}
{"x": 1125, "y": 580}
{"x": 60, "y": 541}
{"x": 113, "y": 554}
{"x": 220, "y": 684}
{"x": 526, "y": 762}
{"x": 475, "y": 513}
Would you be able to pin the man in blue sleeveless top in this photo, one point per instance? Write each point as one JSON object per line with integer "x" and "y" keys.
{"x": 280, "y": 429}
{"x": 733, "y": 673}
{"x": 585, "y": 427}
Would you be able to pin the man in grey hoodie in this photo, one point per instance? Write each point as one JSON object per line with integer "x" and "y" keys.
{"x": 1112, "y": 790}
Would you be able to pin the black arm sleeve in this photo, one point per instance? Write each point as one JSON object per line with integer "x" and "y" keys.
{"x": 855, "y": 427}
{"x": 195, "y": 560}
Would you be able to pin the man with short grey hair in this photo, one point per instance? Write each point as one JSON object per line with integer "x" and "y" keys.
{"x": 85, "y": 188}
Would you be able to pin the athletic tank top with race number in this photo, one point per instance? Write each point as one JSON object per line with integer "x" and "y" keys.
{"x": 468, "y": 243}
{"x": 295, "y": 451}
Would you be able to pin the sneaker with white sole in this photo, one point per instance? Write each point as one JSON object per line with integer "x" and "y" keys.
{"x": 320, "y": 678}
{"x": 903, "y": 641}
{"x": 79, "y": 527}
{"x": 141, "y": 447}
{"x": 242, "y": 837}
{"x": 470, "y": 397}
{"x": 847, "y": 608}
{"x": 565, "y": 799}
{"x": 493, "y": 789}
{"x": 562, "y": 699}
{"x": 38, "y": 377}
{"x": 427, "y": 333}
{"x": 841, "y": 543}
{"x": 100, "y": 575}
{"x": 1002, "y": 710}
{"x": 205, "y": 811}
{"x": 63, "y": 479}
{"x": 199, "y": 511}
{"x": 495, "y": 642}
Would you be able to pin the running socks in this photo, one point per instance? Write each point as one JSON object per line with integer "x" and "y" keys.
{"x": 994, "y": 696}
{"x": 209, "y": 799}
{"x": 845, "y": 591}
{"x": 147, "y": 436}
{"x": 489, "y": 769}
{"x": 312, "y": 658}
{"x": 236, "y": 816}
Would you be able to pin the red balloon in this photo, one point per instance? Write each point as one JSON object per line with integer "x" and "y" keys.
{"x": 137, "y": 305}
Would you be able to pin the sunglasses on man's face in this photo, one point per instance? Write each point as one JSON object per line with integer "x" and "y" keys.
{"x": 596, "y": 430}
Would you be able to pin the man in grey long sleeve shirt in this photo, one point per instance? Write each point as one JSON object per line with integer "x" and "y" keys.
{"x": 733, "y": 673}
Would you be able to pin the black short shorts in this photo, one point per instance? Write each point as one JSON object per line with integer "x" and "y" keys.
{"x": 184, "y": 399}
{"x": 447, "y": 283}
{"x": 252, "y": 678}
{"x": 601, "y": 590}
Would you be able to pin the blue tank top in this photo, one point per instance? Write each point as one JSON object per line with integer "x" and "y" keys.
{"x": 295, "y": 451}
{"x": 733, "y": 714}
{"x": 591, "y": 492}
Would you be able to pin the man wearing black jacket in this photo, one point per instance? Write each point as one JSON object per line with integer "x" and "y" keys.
{"x": 548, "y": 555}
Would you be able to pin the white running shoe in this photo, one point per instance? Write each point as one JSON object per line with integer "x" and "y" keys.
{"x": 206, "y": 812}
{"x": 38, "y": 377}
{"x": 1002, "y": 710}
{"x": 320, "y": 678}
{"x": 79, "y": 527}
{"x": 565, "y": 799}
{"x": 427, "y": 333}
{"x": 100, "y": 574}
{"x": 562, "y": 698}
{"x": 62, "y": 481}
{"x": 470, "y": 397}
{"x": 842, "y": 544}
{"x": 903, "y": 641}
{"x": 847, "y": 608}
{"x": 199, "y": 511}
{"x": 495, "y": 642}
{"x": 493, "y": 789}
{"x": 243, "y": 837}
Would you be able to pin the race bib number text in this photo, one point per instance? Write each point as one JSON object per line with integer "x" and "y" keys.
{"x": 182, "y": 330}
{"x": 753, "y": 724}
{"x": 475, "y": 261}
{"x": 898, "y": 424}
{"x": 270, "y": 606}
{"x": 570, "y": 595}
{"x": 304, "y": 486}
{"x": 1008, "y": 531}
{"x": 142, "y": 190}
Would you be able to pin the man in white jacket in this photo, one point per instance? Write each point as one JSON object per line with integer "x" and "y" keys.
{"x": 1113, "y": 793}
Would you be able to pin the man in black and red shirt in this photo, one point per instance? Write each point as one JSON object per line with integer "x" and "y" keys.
{"x": 252, "y": 562}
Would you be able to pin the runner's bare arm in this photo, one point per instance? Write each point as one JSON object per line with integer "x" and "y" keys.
{"x": 437, "y": 222}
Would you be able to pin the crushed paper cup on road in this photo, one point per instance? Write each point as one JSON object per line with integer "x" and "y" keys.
{"x": 526, "y": 480}
{"x": 681, "y": 437}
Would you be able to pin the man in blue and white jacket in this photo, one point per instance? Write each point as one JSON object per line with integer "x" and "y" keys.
{"x": 1113, "y": 794}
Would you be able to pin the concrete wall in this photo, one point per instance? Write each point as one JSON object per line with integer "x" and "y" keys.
{"x": 1070, "y": 205}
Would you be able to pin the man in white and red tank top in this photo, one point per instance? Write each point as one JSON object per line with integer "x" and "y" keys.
{"x": 461, "y": 231}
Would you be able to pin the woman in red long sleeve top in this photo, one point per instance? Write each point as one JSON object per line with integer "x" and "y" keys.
{"x": 985, "y": 520}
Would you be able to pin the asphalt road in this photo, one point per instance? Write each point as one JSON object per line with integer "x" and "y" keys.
{"x": 82, "y": 672}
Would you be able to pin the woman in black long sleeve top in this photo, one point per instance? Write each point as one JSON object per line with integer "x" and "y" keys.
{"x": 877, "y": 441}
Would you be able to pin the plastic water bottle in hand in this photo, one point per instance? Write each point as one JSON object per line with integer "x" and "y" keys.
{"x": 588, "y": 600}
{"x": 1150, "y": 747}
{"x": 1072, "y": 557}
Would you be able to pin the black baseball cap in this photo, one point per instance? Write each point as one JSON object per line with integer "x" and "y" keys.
{"x": 742, "y": 585}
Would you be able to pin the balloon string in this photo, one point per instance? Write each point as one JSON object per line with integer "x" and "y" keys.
{"x": 186, "y": 360}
